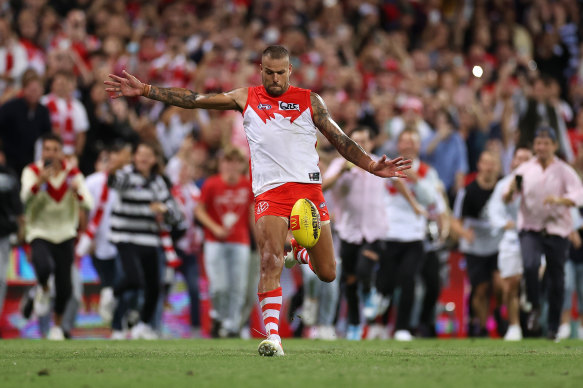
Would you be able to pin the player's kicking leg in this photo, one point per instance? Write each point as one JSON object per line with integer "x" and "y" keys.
{"x": 270, "y": 233}
{"x": 320, "y": 257}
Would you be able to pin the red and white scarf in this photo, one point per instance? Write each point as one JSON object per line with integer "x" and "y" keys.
{"x": 172, "y": 259}
{"x": 85, "y": 240}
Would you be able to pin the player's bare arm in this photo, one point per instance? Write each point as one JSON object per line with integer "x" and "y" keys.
{"x": 351, "y": 150}
{"x": 129, "y": 86}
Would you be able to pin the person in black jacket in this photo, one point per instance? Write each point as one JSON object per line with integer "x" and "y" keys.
{"x": 23, "y": 121}
{"x": 10, "y": 219}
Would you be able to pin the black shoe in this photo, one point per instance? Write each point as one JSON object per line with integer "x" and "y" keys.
{"x": 215, "y": 329}
{"x": 27, "y": 303}
{"x": 552, "y": 335}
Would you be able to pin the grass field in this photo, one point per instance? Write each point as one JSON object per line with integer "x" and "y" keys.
{"x": 235, "y": 363}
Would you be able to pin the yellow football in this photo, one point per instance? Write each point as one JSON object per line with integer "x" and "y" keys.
{"x": 305, "y": 223}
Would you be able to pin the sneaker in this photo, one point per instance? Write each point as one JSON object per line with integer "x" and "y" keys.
{"x": 514, "y": 333}
{"x": 106, "y": 304}
{"x": 56, "y": 334}
{"x": 118, "y": 335}
{"x": 42, "y": 301}
{"x": 290, "y": 260}
{"x": 377, "y": 331}
{"x": 270, "y": 348}
{"x": 310, "y": 311}
{"x": 564, "y": 331}
{"x": 327, "y": 333}
{"x": 354, "y": 333}
{"x": 371, "y": 305}
{"x": 403, "y": 335}
{"x": 143, "y": 331}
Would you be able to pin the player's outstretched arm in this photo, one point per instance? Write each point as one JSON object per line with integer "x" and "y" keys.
{"x": 129, "y": 86}
{"x": 349, "y": 149}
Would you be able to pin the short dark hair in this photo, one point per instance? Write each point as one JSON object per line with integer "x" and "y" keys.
{"x": 51, "y": 136}
{"x": 276, "y": 52}
{"x": 29, "y": 76}
{"x": 363, "y": 128}
{"x": 546, "y": 131}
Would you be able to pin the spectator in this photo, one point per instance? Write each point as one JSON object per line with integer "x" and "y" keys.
{"x": 447, "y": 141}
{"x": 23, "y": 121}
{"x": 52, "y": 192}
{"x": 10, "y": 220}
{"x": 404, "y": 253}
{"x": 144, "y": 204}
{"x": 226, "y": 211}
{"x": 478, "y": 242}
{"x": 504, "y": 217}
{"x": 95, "y": 239}
{"x": 360, "y": 222}
{"x": 68, "y": 116}
{"x": 549, "y": 188}
{"x": 573, "y": 280}
{"x": 189, "y": 246}
{"x": 537, "y": 109}
{"x": 13, "y": 61}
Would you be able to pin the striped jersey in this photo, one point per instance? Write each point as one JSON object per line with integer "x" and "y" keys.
{"x": 282, "y": 138}
{"x": 132, "y": 220}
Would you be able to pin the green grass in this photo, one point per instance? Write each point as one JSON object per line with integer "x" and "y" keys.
{"x": 235, "y": 363}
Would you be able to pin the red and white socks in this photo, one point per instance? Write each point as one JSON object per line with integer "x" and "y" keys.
{"x": 300, "y": 253}
{"x": 270, "y": 302}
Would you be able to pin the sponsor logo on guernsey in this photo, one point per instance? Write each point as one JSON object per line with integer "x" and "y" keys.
{"x": 264, "y": 107}
{"x": 322, "y": 205}
{"x": 314, "y": 176}
{"x": 288, "y": 106}
{"x": 262, "y": 206}
{"x": 294, "y": 222}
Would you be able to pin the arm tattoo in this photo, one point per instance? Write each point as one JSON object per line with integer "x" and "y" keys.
{"x": 182, "y": 98}
{"x": 345, "y": 145}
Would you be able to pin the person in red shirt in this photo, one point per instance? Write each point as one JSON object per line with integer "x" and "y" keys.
{"x": 226, "y": 210}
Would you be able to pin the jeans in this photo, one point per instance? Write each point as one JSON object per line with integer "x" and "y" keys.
{"x": 573, "y": 283}
{"x": 189, "y": 269}
{"x": 57, "y": 259}
{"x": 227, "y": 267}
{"x": 4, "y": 261}
{"x": 555, "y": 249}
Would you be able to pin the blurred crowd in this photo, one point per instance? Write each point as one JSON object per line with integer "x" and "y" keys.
{"x": 458, "y": 86}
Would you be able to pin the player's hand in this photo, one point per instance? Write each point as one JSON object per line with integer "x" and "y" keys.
{"x": 388, "y": 168}
{"x": 128, "y": 86}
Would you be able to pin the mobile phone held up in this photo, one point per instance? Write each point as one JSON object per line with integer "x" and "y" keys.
{"x": 518, "y": 180}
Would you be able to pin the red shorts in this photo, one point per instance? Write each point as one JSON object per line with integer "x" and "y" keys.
{"x": 281, "y": 200}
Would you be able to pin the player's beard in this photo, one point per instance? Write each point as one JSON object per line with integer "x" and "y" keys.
{"x": 275, "y": 90}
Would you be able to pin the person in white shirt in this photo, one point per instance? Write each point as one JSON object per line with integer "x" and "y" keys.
{"x": 360, "y": 222}
{"x": 503, "y": 217}
{"x": 94, "y": 240}
{"x": 68, "y": 115}
{"x": 53, "y": 191}
{"x": 406, "y": 231}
